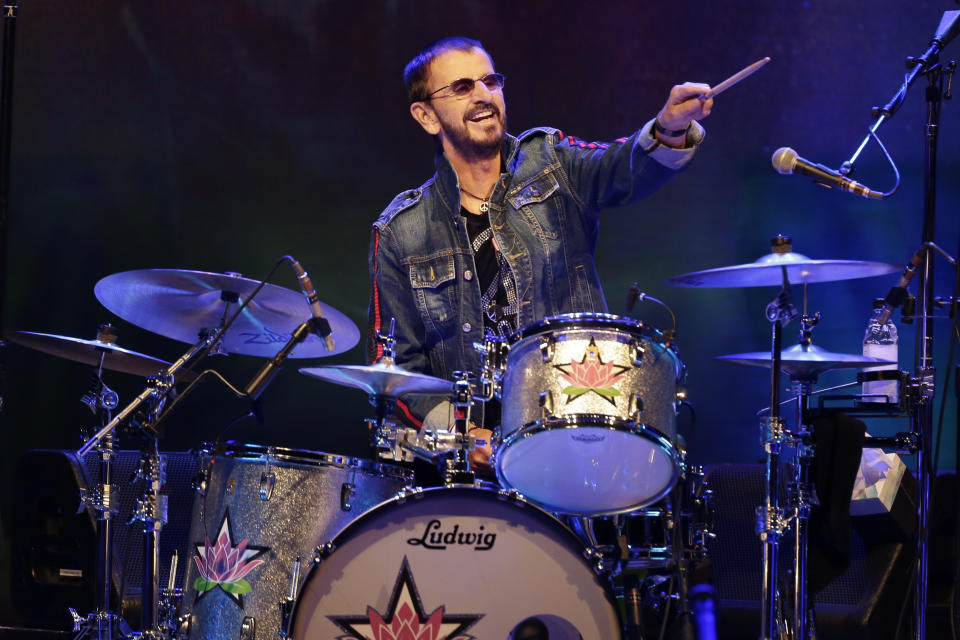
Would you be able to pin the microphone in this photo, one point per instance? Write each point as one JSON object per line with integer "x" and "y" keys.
{"x": 320, "y": 325}
{"x": 786, "y": 161}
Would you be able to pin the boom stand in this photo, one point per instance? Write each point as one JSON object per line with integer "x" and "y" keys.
{"x": 921, "y": 412}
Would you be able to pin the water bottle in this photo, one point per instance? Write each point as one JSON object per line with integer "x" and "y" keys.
{"x": 880, "y": 341}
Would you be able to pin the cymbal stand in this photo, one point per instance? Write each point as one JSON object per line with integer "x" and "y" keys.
{"x": 102, "y": 624}
{"x": 770, "y": 518}
{"x": 457, "y": 468}
{"x": 151, "y": 510}
{"x": 801, "y": 493}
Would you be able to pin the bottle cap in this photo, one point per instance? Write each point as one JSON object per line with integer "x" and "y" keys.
{"x": 879, "y": 302}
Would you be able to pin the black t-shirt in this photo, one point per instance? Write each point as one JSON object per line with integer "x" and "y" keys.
{"x": 497, "y": 289}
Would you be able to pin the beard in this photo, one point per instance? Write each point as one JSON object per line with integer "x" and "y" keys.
{"x": 482, "y": 144}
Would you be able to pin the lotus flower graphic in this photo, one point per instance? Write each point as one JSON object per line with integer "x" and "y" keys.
{"x": 405, "y": 618}
{"x": 591, "y": 374}
{"x": 224, "y": 564}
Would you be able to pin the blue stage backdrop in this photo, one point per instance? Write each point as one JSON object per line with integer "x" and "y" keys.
{"x": 221, "y": 135}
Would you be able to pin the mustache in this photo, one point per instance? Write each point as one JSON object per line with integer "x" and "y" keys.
{"x": 482, "y": 106}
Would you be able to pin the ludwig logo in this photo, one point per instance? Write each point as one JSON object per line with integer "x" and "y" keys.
{"x": 434, "y": 537}
{"x": 224, "y": 565}
{"x": 404, "y": 618}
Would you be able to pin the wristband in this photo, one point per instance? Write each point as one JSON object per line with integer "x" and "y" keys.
{"x": 670, "y": 133}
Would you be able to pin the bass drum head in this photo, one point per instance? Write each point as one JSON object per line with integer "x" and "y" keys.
{"x": 455, "y": 563}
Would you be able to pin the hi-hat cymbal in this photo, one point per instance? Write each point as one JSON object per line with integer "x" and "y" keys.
{"x": 384, "y": 380}
{"x": 115, "y": 358}
{"x": 801, "y": 361}
{"x": 766, "y": 271}
{"x": 179, "y": 304}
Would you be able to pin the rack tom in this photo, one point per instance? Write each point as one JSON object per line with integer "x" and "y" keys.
{"x": 589, "y": 414}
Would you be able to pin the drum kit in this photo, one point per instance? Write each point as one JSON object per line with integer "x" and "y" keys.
{"x": 595, "y": 511}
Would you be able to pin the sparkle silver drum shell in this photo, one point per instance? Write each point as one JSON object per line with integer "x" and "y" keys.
{"x": 589, "y": 414}
{"x": 266, "y": 506}
{"x": 455, "y": 562}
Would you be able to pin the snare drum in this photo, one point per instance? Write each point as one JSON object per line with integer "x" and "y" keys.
{"x": 263, "y": 507}
{"x": 589, "y": 414}
{"x": 460, "y": 562}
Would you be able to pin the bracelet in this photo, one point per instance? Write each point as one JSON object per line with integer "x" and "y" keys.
{"x": 670, "y": 133}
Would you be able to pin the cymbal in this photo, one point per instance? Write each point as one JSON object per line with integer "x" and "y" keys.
{"x": 178, "y": 304}
{"x": 115, "y": 358}
{"x": 799, "y": 361}
{"x": 385, "y": 380}
{"x": 766, "y": 271}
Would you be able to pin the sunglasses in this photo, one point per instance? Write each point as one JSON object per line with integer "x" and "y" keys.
{"x": 463, "y": 87}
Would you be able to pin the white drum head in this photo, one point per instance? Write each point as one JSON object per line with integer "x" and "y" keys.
{"x": 587, "y": 470}
{"x": 454, "y": 563}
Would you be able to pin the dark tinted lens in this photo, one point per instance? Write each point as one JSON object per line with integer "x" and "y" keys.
{"x": 493, "y": 81}
{"x": 462, "y": 87}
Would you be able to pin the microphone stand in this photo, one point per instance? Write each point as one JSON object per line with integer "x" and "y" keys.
{"x": 6, "y": 120}
{"x": 924, "y": 383}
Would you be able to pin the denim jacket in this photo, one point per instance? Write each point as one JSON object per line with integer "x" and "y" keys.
{"x": 544, "y": 216}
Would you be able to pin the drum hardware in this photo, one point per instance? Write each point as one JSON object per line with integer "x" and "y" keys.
{"x": 171, "y": 602}
{"x": 101, "y": 400}
{"x": 547, "y": 348}
{"x": 802, "y": 363}
{"x": 288, "y": 603}
{"x": 267, "y": 479}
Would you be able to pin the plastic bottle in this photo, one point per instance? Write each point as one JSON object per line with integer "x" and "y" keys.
{"x": 880, "y": 341}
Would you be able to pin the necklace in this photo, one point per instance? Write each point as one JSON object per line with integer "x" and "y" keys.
{"x": 484, "y": 202}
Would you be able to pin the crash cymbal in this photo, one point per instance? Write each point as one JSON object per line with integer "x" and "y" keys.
{"x": 385, "y": 380}
{"x": 766, "y": 271}
{"x": 179, "y": 304}
{"x": 115, "y": 358}
{"x": 803, "y": 361}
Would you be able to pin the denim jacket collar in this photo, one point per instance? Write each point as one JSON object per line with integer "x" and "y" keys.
{"x": 448, "y": 185}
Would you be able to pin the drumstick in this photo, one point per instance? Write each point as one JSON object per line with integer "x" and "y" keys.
{"x": 734, "y": 79}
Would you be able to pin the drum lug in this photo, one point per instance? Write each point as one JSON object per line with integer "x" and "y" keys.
{"x": 546, "y": 404}
{"x": 347, "y": 492}
{"x": 547, "y": 348}
{"x": 267, "y": 482}
{"x": 267, "y": 479}
{"x": 636, "y": 352}
{"x": 635, "y": 408}
{"x": 248, "y": 628}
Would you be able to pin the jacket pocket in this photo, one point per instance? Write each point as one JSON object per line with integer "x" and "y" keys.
{"x": 433, "y": 279}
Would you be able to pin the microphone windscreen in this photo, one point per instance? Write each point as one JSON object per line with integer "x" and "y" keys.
{"x": 784, "y": 160}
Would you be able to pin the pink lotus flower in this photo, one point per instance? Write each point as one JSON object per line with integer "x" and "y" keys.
{"x": 591, "y": 374}
{"x": 225, "y": 565}
{"x": 406, "y": 625}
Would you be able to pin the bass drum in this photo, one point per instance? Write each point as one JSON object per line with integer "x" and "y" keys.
{"x": 263, "y": 507}
{"x": 456, "y": 562}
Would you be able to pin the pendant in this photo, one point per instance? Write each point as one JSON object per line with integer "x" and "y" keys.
{"x": 484, "y": 206}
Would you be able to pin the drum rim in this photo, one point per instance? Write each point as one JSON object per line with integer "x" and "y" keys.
{"x": 602, "y": 421}
{"x": 516, "y": 500}
{"x": 586, "y": 319}
{"x": 307, "y": 458}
